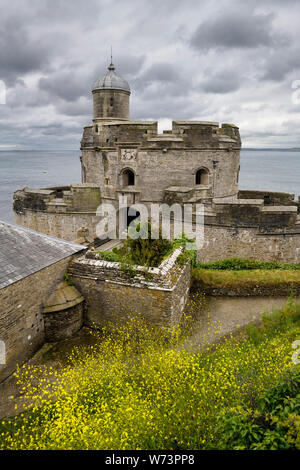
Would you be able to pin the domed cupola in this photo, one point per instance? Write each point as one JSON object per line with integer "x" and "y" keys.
{"x": 111, "y": 81}
{"x": 111, "y": 97}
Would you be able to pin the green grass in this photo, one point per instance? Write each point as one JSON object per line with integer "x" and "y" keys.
{"x": 275, "y": 278}
{"x": 242, "y": 264}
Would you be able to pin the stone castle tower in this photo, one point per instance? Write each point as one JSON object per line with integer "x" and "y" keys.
{"x": 111, "y": 97}
{"x": 195, "y": 160}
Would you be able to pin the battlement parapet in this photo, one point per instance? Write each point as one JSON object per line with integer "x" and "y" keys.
{"x": 184, "y": 134}
{"x": 270, "y": 197}
{"x": 76, "y": 198}
{"x": 254, "y": 213}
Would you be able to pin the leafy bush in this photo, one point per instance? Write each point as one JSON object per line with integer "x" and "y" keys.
{"x": 147, "y": 251}
{"x": 109, "y": 256}
{"x": 274, "y": 424}
{"x": 68, "y": 279}
{"x": 142, "y": 251}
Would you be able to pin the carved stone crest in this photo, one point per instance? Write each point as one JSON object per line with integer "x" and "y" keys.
{"x": 128, "y": 155}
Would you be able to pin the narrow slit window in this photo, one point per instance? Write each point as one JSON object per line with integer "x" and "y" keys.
{"x": 202, "y": 176}
{"x": 128, "y": 178}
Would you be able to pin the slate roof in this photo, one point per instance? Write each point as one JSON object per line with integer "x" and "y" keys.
{"x": 24, "y": 252}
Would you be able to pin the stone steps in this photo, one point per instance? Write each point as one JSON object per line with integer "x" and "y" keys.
{"x": 110, "y": 245}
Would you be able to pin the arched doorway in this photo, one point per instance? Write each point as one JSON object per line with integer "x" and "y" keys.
{"x": 124, "y": 219}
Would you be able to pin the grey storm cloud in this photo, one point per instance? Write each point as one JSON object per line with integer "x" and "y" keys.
{"x": 19, "y": 53}
{"x": 225, "y": 81}
{"x": 237, "y": 30}
{"x": 162, "y": 80}
{"x": 279, "y": 63}
{"x": 65, "y": 85}
{"x": 207, "y": 60}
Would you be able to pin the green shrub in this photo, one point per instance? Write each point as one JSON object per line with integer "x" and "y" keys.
{"x": 108, "y": 256}
{"x": 68, "y": 279}
{"x": 274, "y": 424}
{"x": 142, "y": 251}
{"x": 147, "y": 251}
{"x": 189, "y": 254}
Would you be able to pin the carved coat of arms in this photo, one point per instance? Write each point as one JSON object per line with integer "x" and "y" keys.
{"x": 128, "y": 155}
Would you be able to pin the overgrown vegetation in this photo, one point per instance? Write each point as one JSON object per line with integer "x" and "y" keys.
{"x": 148, "y": 249}
{"x": 68, "y": 279}
{"x": 140, "y": 388}
{"x": 145, "y": 246}
{"x": 273, "y": 424}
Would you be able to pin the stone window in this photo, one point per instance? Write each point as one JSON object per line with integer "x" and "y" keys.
{"x": 96, "y": 128}
{"x": 128, "y": 178}
{"x": 106, "y": 181}
{"x": 111, "y": 102}
{"x": 201, "y": 176}
{"x": 83, "y": 174}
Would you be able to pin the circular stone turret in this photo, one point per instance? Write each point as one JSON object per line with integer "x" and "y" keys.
{"x": 63, "y": 313}
{"x": 111, "y": 97}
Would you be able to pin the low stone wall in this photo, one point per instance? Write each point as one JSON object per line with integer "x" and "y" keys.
{"x": 112, "y": 293}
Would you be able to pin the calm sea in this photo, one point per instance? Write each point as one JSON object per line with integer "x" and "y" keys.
{"x": 273, "y": 170}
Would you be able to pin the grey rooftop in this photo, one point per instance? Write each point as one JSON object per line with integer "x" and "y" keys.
{"x": 24, "y": 252}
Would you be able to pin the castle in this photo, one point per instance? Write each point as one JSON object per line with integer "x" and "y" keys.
{"x": 194, "y": 162}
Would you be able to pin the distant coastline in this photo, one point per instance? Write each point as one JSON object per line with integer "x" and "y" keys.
{"x": 251, "y": 149}
{"x": 271, "y": 149}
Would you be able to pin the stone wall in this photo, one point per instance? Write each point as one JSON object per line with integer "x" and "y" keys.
{"x": 64, "y": 212}
{"x": 63, "y": 324}
{"x": 254, "y": 213}
{"x": 270, "y": 197}
{"x": 156, "y": 171}
{"x": 111, "y": 104}
{"x": 80, "y": 227}
{"x": 112, "y": 293}
{"x": 228, "y": 242}
{"x": 21, "y": 318}
{"x": 161, "y": 160}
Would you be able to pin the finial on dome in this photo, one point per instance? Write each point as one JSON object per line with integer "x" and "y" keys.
{"x": 111, "y": 67}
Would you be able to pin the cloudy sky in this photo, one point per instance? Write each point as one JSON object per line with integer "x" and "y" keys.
{"x": 227, "y": 61}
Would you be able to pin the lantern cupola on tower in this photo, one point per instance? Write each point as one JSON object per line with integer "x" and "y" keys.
{"x": 111, "y": 95}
